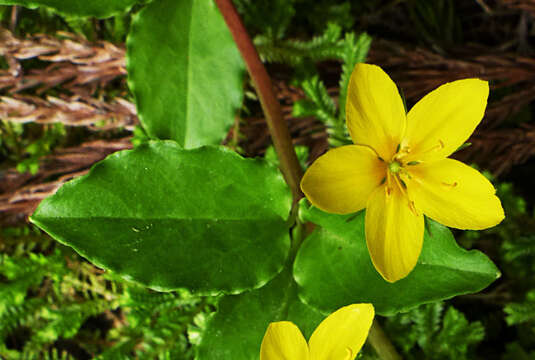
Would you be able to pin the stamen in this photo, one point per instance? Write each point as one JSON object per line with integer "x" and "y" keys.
{"x": 412, "y": 163}
{"x": 398, "y": 181}
{"x": 403, "y": 188}
{"x": 398, "y": 147}
{"x": 438, "y": 146}
{"x": 383, "y": 181}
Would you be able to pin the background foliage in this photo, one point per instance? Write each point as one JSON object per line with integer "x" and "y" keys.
{"x": 55, "y": 305}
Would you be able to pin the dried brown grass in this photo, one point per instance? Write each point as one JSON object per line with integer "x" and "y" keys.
{"x": 76, "y": 64}
{"x": 76, "y": 110}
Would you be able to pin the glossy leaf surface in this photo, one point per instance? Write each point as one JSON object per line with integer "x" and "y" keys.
{"x": 333, "y": 267}
{"x": 236, "y": 330}
{"x": 205, "y": 219}
{"x": 96, "y": 8}
{"x": 185, "y": 71}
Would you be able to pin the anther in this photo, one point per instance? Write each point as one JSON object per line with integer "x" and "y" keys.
{"x": 454, "y": 184}
{"x": 383, "y": 181}
{"x": 388, "y": 191}
{"x": 412, "y": 163}
{"x": 402, "y": 183}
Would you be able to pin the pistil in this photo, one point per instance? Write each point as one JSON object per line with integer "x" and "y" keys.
{"x": 394, "y": 167}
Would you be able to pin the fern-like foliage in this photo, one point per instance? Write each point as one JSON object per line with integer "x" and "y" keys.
{"x": 457, "y": 335}
{"x": 518, "y": 313}
{"x": 437, "y": 333}
{"x": 516, "y": 232}
{"x": 327, "y": 46}
{"x": 157, "y": 325}
{"x": 520, "y": 248}
{"x": 32, "y": 299}
{"x": 24, "y": 314}
{"x": 318, "y": 102}
{"x": 50, "y": 298}
{"x": 22, "y": 275}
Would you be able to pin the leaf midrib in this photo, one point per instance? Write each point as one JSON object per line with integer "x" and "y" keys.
{"x": 486, "y": 274}
{"x": 188, "y": 77}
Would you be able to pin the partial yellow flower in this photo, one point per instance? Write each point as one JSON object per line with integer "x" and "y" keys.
{"x": 398, "y": 168}
{"x": 339, "y": 337}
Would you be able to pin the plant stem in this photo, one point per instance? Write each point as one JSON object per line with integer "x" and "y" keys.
{"x": 380, "y": 342}
{"x": 290, "y": 167}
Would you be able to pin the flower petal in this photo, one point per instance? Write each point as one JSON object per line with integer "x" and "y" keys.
{"x": 341, "y": 180}
{"x": 341, "y": 335}
{"x": 375, "y": 113}
{"x": 394, "y": 233}
{"x": 445, "y": 118}
{"x": 283, "y": 341}
{"x": 455, "y": 195}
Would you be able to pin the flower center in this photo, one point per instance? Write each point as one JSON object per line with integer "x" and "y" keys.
{"x": 394, "y": 167}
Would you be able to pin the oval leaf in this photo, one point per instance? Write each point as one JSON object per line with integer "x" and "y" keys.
{"x": 206, "y": 219}
{"x": 236, "y": 330}
{"x": 333, "y": 267}
{"x": 96, "y": 8}
{"x": 185, "y": 71}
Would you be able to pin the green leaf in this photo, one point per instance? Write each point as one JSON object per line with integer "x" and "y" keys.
{"x": 333, "y": 267}
{"x": 96, "y": 8}
{"x": 238, "y": 327}
{"x": 206, "y": 219}
{"x": 185, "y": 71}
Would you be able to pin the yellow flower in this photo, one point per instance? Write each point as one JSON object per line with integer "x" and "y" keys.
{"x": 398, "y": 168}
{"x": 339, "y": 337}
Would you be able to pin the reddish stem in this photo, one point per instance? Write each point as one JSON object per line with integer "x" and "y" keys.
{"x": 290, "y": 167}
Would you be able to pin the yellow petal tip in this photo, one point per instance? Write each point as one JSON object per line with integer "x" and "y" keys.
{"x": 345, "y": 329}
